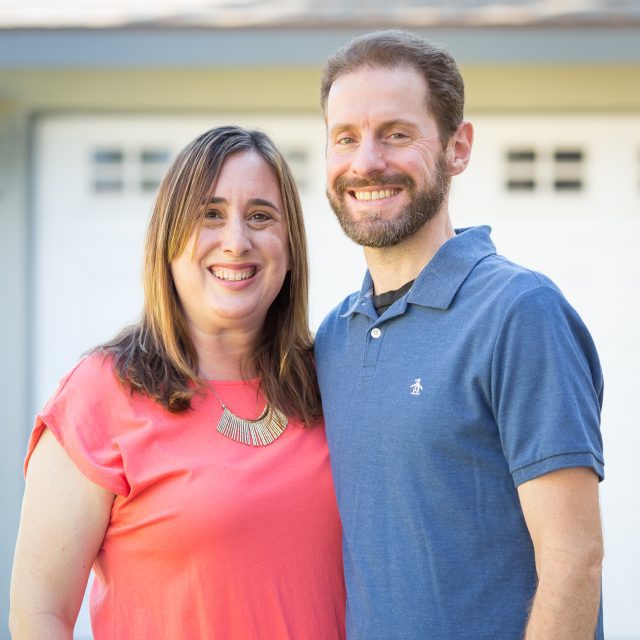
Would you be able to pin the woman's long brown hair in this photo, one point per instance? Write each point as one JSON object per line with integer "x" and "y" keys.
{"x": 156, "y": 356}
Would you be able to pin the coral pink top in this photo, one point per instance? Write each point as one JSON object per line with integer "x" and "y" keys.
{"x": 208, "y": 538}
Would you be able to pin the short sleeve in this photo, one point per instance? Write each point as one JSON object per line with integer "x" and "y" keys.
{"x": 83, "y": 415}
{"x": 547, "y": 387}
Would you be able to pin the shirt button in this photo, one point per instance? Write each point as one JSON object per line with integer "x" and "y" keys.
{"x": 376, "y": 333}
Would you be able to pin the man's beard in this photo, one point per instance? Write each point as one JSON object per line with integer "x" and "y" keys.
{"x": 375, "y": 232}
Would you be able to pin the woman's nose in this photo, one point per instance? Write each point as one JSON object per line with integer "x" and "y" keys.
{"x": 235, "y": 236}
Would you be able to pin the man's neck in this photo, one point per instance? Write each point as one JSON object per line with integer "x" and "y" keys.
{"x": 391, "y": 267}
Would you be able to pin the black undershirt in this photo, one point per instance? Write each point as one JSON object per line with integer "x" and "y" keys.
{"x": 383, "y": 301}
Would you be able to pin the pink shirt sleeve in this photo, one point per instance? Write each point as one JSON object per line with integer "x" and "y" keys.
{"x": 83, "y": 416}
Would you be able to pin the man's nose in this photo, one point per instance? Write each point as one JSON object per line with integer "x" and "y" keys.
{"x": 369, "y": 157}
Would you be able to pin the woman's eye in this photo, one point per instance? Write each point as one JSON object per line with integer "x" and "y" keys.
{"x": 212, "y": 214}
{"x": 260, "y": 216}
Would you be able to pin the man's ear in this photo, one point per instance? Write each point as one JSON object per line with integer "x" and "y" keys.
{"x": 459, "y": 148}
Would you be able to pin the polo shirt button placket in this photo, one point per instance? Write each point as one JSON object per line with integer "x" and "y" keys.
{"x": 372, "y": 350}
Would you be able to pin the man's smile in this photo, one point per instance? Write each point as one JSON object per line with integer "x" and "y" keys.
{"x": 374, "y": 195}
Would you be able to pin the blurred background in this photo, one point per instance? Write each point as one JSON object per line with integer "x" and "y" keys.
{"x": 95, "y": 98}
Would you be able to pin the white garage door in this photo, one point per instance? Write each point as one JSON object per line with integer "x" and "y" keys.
{"x": 95, "y": 180}
{"x": 561, "y": 192}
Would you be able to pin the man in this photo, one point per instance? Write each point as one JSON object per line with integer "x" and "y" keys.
{"x": 462, "y": 393}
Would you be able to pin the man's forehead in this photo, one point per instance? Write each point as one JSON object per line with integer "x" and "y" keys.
{"x": 380, "y": 92}
{"x": 392, "y": 69}
{"x": 402, "y": 75}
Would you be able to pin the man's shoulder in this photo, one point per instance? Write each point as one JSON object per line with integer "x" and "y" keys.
{"x": 507, "y": 279}
{"x": 335, "y": 320}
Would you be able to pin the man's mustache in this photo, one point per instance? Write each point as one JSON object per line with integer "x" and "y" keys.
{"x": 350, "y": 184}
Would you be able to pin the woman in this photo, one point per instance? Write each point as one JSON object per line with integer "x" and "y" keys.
{"x": 184, "y": 459}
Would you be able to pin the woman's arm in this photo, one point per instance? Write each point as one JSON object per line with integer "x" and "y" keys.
{"x": 64, "y": 517}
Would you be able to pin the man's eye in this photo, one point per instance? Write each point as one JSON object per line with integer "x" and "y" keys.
{"x": 398, "y": 135}
{"x": 345, "y": 140}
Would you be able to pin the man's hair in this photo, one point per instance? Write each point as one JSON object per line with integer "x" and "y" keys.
{"x": 156, "y": 356}
{"x": 394, "y": 48}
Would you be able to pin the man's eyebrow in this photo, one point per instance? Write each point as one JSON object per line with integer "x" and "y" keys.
{"x": 398, "y": 123}
{"x": 336, "y": 128}
{"x": 343, "y": 126}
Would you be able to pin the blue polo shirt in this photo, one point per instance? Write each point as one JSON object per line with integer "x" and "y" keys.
{"x": 478, "y": 379}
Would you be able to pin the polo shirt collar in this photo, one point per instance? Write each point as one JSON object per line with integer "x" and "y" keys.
{"x": 438, "y": 283}
{"x": 364, "y": 300}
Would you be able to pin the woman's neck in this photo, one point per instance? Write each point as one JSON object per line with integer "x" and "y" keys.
{"x": 225, "y": 354}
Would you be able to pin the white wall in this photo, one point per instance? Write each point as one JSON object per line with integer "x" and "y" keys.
{"x": 13, "y": 340}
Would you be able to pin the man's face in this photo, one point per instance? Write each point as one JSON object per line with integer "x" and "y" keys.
{"x": 387, "y": 173}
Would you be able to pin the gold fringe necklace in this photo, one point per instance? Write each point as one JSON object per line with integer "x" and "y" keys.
{"x": 255, "y": 433}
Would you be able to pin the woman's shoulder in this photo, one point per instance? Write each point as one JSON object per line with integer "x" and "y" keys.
{"x": 96, "y": 367}
{"x": 91, "y": 380}
{"x": 87, "y": 414}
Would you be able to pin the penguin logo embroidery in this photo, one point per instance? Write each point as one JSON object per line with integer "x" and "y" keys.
{"x": 416, "y": 388}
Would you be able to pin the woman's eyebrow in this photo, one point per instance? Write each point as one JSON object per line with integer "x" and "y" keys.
{"x": 254, "y": 202}
{"x": 261, "y": 202}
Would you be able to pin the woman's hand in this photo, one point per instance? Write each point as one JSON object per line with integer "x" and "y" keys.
{"x": 63, "y": 521}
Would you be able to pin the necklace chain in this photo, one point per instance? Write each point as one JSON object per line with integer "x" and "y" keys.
{"x": 264, "y": 430}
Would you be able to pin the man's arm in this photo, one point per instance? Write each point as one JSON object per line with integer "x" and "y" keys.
{"x": 562, "y": 513}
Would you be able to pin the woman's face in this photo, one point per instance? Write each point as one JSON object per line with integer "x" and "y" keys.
{"x": 232, "y": 270}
